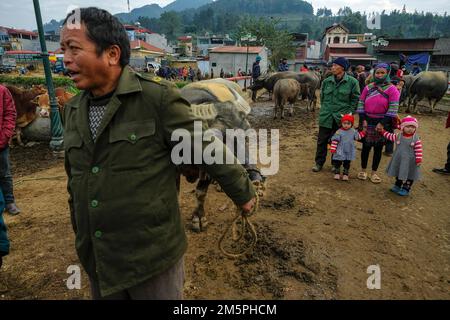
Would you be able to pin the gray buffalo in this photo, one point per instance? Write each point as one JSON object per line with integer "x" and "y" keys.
{"x": 285, "y": 91}
{"x": 308, "y": 78}
{"x": 428, "y": 84}
{"x": 223, "y": 105}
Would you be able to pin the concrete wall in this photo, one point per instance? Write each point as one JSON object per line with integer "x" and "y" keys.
{"x": 231, "y": 62}
{"x": 35, "y": 45}
{"x": 158, "y": 41}
{"x": 313, "y": 52}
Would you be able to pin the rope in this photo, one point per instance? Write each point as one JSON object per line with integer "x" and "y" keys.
{"x": 39, "y": 178}
{"x": 243, "y": 218}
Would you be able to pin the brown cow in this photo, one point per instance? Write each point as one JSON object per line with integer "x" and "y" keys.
{"x": 26, "y": 105}
{"x": 62, "y": 97}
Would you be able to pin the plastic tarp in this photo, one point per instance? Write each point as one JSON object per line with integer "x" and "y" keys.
{"x": 421, "y": 59}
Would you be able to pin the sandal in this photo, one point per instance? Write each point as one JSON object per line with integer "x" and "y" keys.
{"x": 362, "y": 175}
{"x": 375, "y": 178}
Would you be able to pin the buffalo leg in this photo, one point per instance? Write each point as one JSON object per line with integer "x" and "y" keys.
{"x": 199, "y": 221}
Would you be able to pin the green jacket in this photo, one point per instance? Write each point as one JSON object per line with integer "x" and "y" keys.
{"x": 123, "y": 194}
{"x": 337, "y": 99}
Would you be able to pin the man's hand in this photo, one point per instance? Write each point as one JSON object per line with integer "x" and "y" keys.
{"x": 418, "y": 164}
{"x": 248, "y": 207}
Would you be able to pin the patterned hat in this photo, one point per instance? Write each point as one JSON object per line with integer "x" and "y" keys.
{"x": 409, "y": 121}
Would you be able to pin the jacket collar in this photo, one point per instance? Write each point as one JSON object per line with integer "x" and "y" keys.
{"x": 128, "y": 83}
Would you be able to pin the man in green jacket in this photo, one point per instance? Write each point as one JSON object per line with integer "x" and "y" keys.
{"x": 123, "y": 195}
{"x": 338, "y": 96}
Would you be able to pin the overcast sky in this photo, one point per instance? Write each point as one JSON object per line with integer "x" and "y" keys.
{"x": 20, "y": 13}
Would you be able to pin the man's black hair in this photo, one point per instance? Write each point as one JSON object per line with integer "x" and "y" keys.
{"x": 104, "y": 30}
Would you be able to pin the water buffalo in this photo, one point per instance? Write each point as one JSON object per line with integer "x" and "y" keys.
{"x": 309, "y": 78}
{"x": 285, "y": 90}
{"x": 223, "y": 105}
{"x": 428, "y": 84}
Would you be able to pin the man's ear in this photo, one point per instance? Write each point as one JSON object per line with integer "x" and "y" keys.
{"x": 113, "y": 54}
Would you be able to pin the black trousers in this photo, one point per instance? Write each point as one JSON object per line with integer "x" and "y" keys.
{"x": 323, "y": 138}
{"x": 447, "y": 165}
{"x": 377, "y": 152}
{"x": 338, "y": 163}
{"x": 404, "y": 184}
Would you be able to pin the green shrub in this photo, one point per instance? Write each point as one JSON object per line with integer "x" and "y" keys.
{"x": 27, "y": 82}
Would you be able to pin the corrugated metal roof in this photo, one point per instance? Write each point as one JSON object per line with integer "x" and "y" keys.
{"x": 442, "y": 47}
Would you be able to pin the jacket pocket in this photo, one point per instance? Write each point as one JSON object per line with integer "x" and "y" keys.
{"x": 73, "y": 145}
{"x": 132, "y": 145}
{"x": 132, "y": 132}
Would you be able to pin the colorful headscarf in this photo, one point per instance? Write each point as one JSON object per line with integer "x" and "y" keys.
{"x": 386, "y": 79}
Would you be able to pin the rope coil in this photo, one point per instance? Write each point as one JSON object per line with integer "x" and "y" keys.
{"x": 242, "y": 218}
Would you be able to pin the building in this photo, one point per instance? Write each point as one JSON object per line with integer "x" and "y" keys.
{"x": 135, "y": 32}
{"x": 23, "y": 40}
{"x": 335, "y": 34}
{"x": 361, "y": 37}
{"x": 233, "y": 58}
{"x": 184, "y": 47}
{"x": 440, "y": 60}
{"x": 143, "y": 52}
{"x": 204, "y": 43}
{"x": 313, "y": 50}
{"x": 356, "y": 53}
{"x": 405, "y": 51}
{"x": 306, "y": 52}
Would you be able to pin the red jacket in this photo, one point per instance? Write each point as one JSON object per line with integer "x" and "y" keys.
{"x": 448, "y": 121}
{"x": 7, "y": 116}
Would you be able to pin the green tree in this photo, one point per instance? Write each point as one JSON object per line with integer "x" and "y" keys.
{"x": 267, "y": 33}
{"x": 170, "y": 23}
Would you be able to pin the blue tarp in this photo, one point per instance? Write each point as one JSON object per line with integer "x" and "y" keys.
{"x": 421, "y": 59}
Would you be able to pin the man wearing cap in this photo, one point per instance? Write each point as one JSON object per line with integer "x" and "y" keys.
{"x": 339, "y": 95}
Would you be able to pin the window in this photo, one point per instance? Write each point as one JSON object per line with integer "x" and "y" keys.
{"x": 214, "y": 64}
{"x": 336, "y": 40}
{"x": 329, "y": 40}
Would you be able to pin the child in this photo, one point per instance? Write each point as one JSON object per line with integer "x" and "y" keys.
{"x": 343, "y": 148}
{"x": 407, "y": 158}
{"x": 4, "y": 242}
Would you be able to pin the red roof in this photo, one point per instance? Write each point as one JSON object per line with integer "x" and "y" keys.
{"x": 346, "y": 45}
{"x": 185, "y": 38}
{"x": 140, "y": 30}
{"x": 136, "y": 44}
{"x": 235, "y": 49}
{"x": 20, "y": 31}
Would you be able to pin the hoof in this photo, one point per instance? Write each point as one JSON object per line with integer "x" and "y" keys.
{"x": 198, "y": 225}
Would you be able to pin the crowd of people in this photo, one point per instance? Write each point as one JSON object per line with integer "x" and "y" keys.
{"x": 377, "y": 108}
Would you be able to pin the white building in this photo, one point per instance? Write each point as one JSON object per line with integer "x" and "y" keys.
{"x": 233, "y": 58}
{"x": 335, "y": 34}
{"x": 313, "y": 49}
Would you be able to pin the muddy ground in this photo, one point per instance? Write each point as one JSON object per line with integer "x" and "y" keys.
{"x": 317, "y": 236}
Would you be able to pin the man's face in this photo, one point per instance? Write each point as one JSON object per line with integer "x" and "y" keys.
{"x": 337, "y": 69}
{"x": 86, "y": 68}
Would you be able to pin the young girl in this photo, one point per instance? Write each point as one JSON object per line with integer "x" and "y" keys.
{"x": 407, "y": 158}
{"x": 343, "y": 146}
